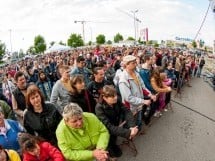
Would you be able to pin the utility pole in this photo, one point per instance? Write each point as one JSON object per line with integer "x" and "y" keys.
{"x": 10, "y": 30}
{"x": 83, "y": 32}
{"x": 136, "y": 20}
{"x": 135, "y": 29}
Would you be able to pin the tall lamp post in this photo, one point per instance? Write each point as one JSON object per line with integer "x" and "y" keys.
{"x": 135, "y": 32}
{"x": 83, "y": 32}
{"x": 10, "y": 30}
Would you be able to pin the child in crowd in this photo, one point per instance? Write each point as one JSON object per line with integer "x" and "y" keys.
{"x": 35, "y": 148}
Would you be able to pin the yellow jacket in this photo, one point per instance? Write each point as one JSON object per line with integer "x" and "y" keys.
{"x": 13, "y": 155}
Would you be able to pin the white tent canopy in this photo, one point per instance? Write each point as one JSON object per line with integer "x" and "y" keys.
{"x": 58, "y": 47}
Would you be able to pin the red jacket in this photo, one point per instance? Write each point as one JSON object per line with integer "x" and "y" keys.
{"x": 47, "y": 153}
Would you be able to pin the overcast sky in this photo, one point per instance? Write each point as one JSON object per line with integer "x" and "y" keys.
{"x": 54, "y": 19}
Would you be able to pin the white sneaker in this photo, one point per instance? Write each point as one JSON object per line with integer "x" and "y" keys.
{"x": 157, "y": 114}
{"x": 165, "y": 109}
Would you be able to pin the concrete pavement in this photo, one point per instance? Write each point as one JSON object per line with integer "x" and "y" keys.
{"x": 182, "y": 135}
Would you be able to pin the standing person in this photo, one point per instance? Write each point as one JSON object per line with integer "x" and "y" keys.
{"x": 44, "y": 84}
{"x": 81, "y": 136}
{"x": 145, "y": 74}
{"x": 7, "y": 88}
{"x": 61, "y": 91}
{"x": 131, "y": 88}
{"x": 112, "y": 112}
{"x": 81, "y": 95}
{"x": 40, "y": 118}
{"x": 109, "y": 72}
{"x": 34, "y": 149}
{"x": 161, "y": 88}
{"x": 146, "y": 70}
{"x": 117, "y": 62}
{"x": 9, "y": 130}
{"x": 33, "y": 75}
{"x": 18, "y": 96}
{"x": 201, "y": 65}
{"x": 8, "y": 155}
{"x": 178, "y": 68}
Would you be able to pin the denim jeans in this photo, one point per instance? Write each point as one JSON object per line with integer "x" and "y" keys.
{"x": 139, "y": 117}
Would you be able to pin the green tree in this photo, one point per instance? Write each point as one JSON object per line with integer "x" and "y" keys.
{"x": 62, "y": 43}
{"x": 75, "y": 40}
{"x": 194, "y": 44}
{"x": 2, "y": 49}
{"x": 52, "y": 43}
{"x": 201, "y": 43}
{"x": 130, "y": 38}
{"x": 140, "y": 41}
{"x": 156, "y": 45}
{"x": 31, "y": 50}
{"x": 184, "y": 45}
{"x": 150, "y": 42}
{"x": 21, "y": 53}
{"x": 39, "y": 44}
{"x": 90, "y": 43}
{"x": 162, "y": 42}
{"x": 118, "y": 37}
{"x": 100, "y": 39}
{"x": 109, "y": 42}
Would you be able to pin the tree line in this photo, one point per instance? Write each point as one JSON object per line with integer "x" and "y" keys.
{"x": 74, "y": 40}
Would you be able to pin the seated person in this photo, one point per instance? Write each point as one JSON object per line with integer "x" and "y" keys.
{"x": 34, "y": 148}
{"x": 9, "y": 130}
{"x": 41, "y": 118}
{"x": 111, "y": 111}
{"x": 81, "y": 136}
{"x": 80, "y": 95}
{"x": 8, "y": 155}
{"x": 7, "y": 110}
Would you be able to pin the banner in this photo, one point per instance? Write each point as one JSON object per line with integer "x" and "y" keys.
{"x": 144, "y": 34}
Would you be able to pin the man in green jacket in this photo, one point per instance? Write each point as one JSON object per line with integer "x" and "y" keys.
{"x": 81, "y": 136}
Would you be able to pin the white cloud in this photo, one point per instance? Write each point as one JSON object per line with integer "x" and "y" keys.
{"x": 55, "y": 19}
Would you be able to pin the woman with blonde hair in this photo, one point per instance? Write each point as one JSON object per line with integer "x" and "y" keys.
{"x": 160, "y": 88}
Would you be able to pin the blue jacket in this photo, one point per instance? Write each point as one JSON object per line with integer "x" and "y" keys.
{"x": 45, "y": 88}
{"x": 10, "y": 140}
{"x": 85, "y": 72}
{"x": 145, "y": 74}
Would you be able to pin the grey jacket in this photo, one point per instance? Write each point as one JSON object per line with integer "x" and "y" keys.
{"x": 131, "y": 93}
{"x": 60, "y": 96}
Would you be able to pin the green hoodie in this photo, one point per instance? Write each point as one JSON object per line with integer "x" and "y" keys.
{"x": 78, "y": 144}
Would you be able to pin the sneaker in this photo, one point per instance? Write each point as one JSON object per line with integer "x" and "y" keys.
{"x": 165, "y": 109}
{"x": 157, "y": 114}
{"x": 160, "y": 114}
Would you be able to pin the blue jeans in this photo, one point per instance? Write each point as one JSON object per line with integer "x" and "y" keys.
{"x": 199, "y": 72}
{"x": 139, "y": 118}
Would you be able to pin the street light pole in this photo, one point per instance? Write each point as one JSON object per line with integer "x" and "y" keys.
{"x": 135, "y": 32}
{"x": 10, "y": 41}
{"x": 83, "y": 32}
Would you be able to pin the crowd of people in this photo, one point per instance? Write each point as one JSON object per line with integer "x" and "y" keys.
{"x": 73, "y": 105}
